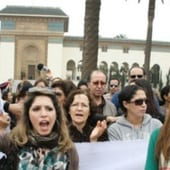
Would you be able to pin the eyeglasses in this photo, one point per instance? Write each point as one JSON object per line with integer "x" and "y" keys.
{"x": 139, "y": 102}
{"x": 102, "y": 83}
{"x": 136, "y": 76}
{"x": 58, "y": 94}
{"x": 113, "y": 85}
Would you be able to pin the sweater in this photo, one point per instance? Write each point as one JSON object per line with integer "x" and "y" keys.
{"x": 124, "y": 130}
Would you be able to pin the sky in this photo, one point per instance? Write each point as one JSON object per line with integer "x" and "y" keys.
{"x": 117, "y": 17}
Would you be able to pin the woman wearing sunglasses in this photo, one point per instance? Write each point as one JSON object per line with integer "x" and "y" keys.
{"x": 153, "y": 107}
{"x": 134, "y": 123}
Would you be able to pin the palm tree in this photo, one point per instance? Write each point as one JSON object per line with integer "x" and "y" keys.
{"x": 90, "y": 47}
{"x": 151, "y": 14}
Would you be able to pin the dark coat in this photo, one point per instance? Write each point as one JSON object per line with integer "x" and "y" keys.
{"x": 10, "y": 161}
{"x": 77, "y": 136}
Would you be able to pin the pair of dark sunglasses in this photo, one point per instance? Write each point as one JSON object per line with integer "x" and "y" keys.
{"x": 136, "y": 76}
{"x": 113, "y": 85}
{"x": 139, "y": 102}
{"x": 99, "y": 82}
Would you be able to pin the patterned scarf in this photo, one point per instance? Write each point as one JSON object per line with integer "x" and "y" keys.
{"x": 38, "y": 141}
{"x": 42, "y": 153}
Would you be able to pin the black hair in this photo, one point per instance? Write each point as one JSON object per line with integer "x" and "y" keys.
{"x": 127, "y": 93}
{"x": 152, "y": 108}
{"x": 164, "y": 92}
{"x": 144, "y": 72}
{"x": 81, "y": 83}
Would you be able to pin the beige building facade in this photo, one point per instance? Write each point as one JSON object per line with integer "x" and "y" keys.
{"x": 33, "y": 35}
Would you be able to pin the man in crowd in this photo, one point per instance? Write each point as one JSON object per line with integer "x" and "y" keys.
{"x": 135, "y": 72}
{"x": 114, "y": 86}
{"x": 96, "y": 85}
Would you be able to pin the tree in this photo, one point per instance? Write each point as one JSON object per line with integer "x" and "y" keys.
{"x": 148, "y": 47}
{"x": 90, "y": 47}
{"x": 151, "y": 14}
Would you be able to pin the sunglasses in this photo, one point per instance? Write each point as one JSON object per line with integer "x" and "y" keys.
{"x": 113, "y": 85}
{"x": 136, "y": 76}
{"x": 102, "y": 83}
{"x": 139, "y": 102}
{"x": 58, "y": 94}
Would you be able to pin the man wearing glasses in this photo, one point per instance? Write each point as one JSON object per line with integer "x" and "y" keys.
{"x": 135, "y": 72}
{"x": 97, "y": 85}
{"x": 114, "y": 86}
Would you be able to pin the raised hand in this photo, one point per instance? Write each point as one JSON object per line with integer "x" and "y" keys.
{"x": 98, "y": 130}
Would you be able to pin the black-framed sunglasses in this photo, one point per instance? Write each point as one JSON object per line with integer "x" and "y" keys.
{"x": 113, "y": 85}
{"x": 102, "y": 83}
{"x": 139, "y": 102}
{"x": 136, "y": 76}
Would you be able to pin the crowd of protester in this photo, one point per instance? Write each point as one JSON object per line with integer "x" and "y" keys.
{"x": 41, "y": 121}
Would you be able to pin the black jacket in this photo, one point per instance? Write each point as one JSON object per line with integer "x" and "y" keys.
{"x": 10, "y": 160}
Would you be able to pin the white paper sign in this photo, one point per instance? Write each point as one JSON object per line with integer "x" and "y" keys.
{"x": 115, "y": 155}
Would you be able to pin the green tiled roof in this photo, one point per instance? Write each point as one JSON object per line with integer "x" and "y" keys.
{"x": 32, "y": 10}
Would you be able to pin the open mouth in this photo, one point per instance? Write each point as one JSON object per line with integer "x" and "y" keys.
{"x": 44, "y": 124}
{"x": 79, "y": 115}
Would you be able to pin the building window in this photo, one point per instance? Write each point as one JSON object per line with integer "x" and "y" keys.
{"x": 79, "y": 67}
{"x": 125, "y": 50}
{"x": 56, "y": 26}
{"x": 71, "y": 70}
{"x": 8, "y": 25}
{"x": 104, "y": 48}
{"x": 31, "y": 72}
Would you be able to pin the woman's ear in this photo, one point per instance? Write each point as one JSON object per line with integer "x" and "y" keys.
{"x": 125, "y": 104}
{"x": 165, "y": 97}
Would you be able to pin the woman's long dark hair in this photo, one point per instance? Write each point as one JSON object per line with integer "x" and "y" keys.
{"x": 151, "y": 106}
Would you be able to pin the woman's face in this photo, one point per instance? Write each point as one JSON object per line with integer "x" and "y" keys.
{"x": 42, "y": 115}
{"x": 134, "y": 106}
{"x": 79, "y": 109}
{"x": 4, "y": 120}
{"x": 60, "y": 95}
{"x": 9, "y": 97}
